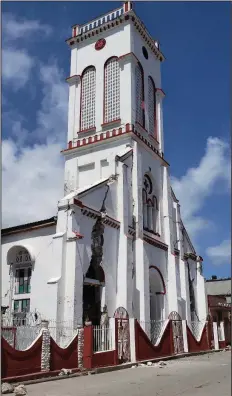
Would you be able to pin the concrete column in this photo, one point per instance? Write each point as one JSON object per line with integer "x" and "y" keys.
{"x": 183, "y": 268}
{"x": 80, "y": 348}
{"x": 73, "y": 107}
{"x": 122, "y": 273}
{"x": 132, "y": 340}
{"x": 45, "y": 354}
{"x": 185, "y": 337}
{"x": 88, "y": 347}
{"x": 126, "y": 87}
{"x": 215, "y": 336}
{"x": 112, "y": 329}
{"x": 222, "y": 331}
{"x": 201, "y": 293}
{"x": 167, "y": 219}
{"x": 142, "y": 292}
{"x": 159, "y": 119}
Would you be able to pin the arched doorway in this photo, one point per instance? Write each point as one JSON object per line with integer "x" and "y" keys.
{"x": 93, "y": 287}
{"x": 21, "y": 261}
{"x": 157, "y": 293}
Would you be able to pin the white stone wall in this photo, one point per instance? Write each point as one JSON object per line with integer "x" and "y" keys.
{"x": 42, "y": 244}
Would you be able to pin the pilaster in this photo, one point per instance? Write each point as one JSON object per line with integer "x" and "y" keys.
{"x": 45, "y": 354}
{"x": 168, "y": 234}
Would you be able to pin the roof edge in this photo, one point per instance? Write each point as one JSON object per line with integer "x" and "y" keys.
{"x": 29, "y": 226}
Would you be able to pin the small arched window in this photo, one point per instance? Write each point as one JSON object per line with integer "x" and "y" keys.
{"x": 139, "y": 79}
{"x": 152, "y": 128}
{"x": 88, "y": 98}
{"x": 111, "y": 90}
{"x": 150, "y": 206}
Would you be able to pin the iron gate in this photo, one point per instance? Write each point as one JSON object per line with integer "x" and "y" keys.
{"x": 177, "y": 332}
{"x": 123, "y": 327}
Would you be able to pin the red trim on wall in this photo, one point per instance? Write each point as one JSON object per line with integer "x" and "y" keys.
{"x": 74, "y": 31}
{"x": 162, "y": 279}
{"x": 63, "y": 357}
{"x": 106, "y": 124}
{"x": 78, "y": 203}
{"x": 196, "y": 346}
{"x": 92, "y": 129}
{"x": 145, "y": 350}
{"x": 103, "y": 359}
{"x": 88, "y": 347}
{"x": 127, "y": 54}
{"x": 17, "y": 363}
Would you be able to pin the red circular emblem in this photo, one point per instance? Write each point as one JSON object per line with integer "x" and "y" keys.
{"x": 100, "y": 44}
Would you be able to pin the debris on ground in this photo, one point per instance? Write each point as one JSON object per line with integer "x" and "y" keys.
{"x": 20, "y": 390}
{"x": 149, "y": 364}
{"x": 64, "y": 371}
{"x": 133, "y": 366}
{"x": 162, "y": 364}
{"x": 7, "y": 388}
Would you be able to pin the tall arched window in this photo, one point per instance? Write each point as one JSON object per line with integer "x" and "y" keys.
{"x": 111, "y": 90}
{"x": 140, "y": 113}
{"x": 88, "y": 97}
{"x": 152, "y": 107}
{"x": 150, "y": 206}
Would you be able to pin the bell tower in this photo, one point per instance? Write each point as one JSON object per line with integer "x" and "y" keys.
{"x": 115, "y": 94}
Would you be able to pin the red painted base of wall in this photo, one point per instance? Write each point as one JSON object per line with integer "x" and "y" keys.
{"x": 63, "y": 357}
{"x": 17, "y": 363}
{"x": 222, "y": 344}
{"x": 197, "y": 346}
{"x": 146, "y": 350}
{"x": 103, "y": 359}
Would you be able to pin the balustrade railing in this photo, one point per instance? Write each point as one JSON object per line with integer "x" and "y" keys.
{"x": 101, "y": 20}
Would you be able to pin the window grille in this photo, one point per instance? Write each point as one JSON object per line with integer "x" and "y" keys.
{"x": 151, "y": 107}
{"x": 88, "y": 98}
{"x": 112, "y": 91}
{"x": 139, "y": 95}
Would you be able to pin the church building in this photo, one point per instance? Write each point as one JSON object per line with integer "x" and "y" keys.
{"x": 117, "y": 240}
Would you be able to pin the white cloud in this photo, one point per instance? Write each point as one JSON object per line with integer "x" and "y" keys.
{"x": 32, "y": 182}
{"x": 199, "y": 183}
{"x": 14, "y": 28}
{"x": 33, "y": 175}
{"x": 16, "y": 67}
{"x": 17, "y": 63}
{"x": 221, "y": 253}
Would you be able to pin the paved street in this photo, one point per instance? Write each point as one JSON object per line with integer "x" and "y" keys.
{"x": 206, "y": 375}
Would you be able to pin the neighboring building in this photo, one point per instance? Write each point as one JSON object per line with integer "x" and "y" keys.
{"x": 219, "y": 302}
{"x": 118, "y": 239}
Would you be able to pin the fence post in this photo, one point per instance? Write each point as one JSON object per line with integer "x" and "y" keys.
{"x": 185, "y": 335}
{"x": 45, "y": 355}
{"x": 80, "y": 348}
{"x": 222, "y": 344}
{"x": 112, "y": 329}
{"x": 88, "y": 346}
{"x": 116, "y": 361}
{"x": 215, "y": 335}
{"x": 132, "y": 340}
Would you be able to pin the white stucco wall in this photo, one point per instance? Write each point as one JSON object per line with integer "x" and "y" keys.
{"x": 45, "y": 268}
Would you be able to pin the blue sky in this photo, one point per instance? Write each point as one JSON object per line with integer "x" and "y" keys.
{"x": 194, "y": 38}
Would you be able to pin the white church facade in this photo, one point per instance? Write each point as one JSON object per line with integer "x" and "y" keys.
{"x": 117, "y": 239}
